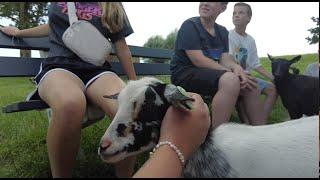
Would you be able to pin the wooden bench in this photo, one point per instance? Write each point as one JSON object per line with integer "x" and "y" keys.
{"x": 29, "y": 67}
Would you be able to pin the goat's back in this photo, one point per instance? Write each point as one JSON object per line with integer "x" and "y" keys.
{"x": 288, "y": 149}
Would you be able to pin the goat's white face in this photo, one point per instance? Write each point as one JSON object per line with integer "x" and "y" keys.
{"x": 135, "y": 128}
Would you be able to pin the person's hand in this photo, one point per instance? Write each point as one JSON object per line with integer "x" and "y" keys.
{"x": 108, "y": 58}
{"x": 186, "y": 129}
{"x": 246, "y": 80}
{"x": 10, "y": 30}
{"x": 251, "y": 82}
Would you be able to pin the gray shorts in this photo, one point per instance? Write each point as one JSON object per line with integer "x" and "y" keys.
{"x": 262, "y": 84}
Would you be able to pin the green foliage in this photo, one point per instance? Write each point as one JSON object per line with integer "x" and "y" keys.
{"x": 158, "y": 41}
{"x": 170, "y": 40}
{"x": 155, "y": 42}
{"x": 24, "y": 14}
{"x": 314, "y": 32}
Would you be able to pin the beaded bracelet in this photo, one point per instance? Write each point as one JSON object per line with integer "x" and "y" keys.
{"x": 180, "y": 155}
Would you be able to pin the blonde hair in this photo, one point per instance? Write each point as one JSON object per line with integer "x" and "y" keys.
{"x": 113, "y": 16}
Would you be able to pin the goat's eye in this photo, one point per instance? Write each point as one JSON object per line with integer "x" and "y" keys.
{"x": 121, "y": 130}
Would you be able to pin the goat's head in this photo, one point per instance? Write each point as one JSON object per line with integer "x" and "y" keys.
{"x": 280, "y": 66}
{"x": 135, "y": 128}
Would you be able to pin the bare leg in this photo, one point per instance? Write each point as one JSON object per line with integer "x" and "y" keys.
{"x": 254, "y": 107}
{"x": 242, "y": 112}
{"x": 109, "y": 84}
{"x": 271, "y": 98}
{"x": 225, "y": 99}
{"x": 68, "y": 108}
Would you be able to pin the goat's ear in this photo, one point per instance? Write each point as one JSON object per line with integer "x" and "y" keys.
{"x": 178, "y": 97}
{"x": 114, "y": 96}
{"x": 295, "y": 59}
{"x": 295, "y": 70}
{"x": 270, "y": 57}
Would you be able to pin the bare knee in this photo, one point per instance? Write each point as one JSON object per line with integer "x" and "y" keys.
{"x": 270, "y": 91}
{"x": 230, "y": 83}
{"x": 252, "y": 93}
{"x": 70, "y": 109}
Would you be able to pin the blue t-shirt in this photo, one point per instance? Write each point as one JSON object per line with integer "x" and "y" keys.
{"x": 89, "y": 11}
{"x": 193, "y": 36}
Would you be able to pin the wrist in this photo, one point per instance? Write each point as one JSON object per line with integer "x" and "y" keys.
{"x": 171, "y": 148}
{"x": 185, "y": 147}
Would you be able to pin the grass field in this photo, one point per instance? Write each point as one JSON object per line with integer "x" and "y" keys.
{"x": 23, "y": 152}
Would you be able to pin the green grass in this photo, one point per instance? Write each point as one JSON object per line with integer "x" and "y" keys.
{"x": 23, "y": 152}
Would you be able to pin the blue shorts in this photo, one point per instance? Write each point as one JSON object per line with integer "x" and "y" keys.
{"x": 262, "y": 84}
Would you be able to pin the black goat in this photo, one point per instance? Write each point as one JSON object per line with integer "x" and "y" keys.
{"x": 299, "y": 93}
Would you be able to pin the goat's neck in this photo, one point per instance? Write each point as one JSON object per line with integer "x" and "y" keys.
{"x": 281, "y": 81}
{"x": 208, "y": 161}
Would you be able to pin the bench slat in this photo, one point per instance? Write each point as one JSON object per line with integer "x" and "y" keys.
{"x": 37, "y": 105}
{"x": 25, "y": 106}
{"x": 19, "y": 67}
{"x": 25, "y": 43}
{"x": 43, "y": 44}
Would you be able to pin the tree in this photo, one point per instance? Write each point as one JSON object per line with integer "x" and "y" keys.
{"x": 25, "y": 15}
{"x": 314, "y": 32}
{"x": 157, "y": 41}
{"x": 171, "y": 39}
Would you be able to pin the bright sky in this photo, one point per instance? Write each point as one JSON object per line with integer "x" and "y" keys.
{"x": 279, "y": 28}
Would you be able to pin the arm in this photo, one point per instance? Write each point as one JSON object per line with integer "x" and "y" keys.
{"x": 38, "y": 31}
{"x": 265, "y": 73}
{"x": 183, "y": 129}
{"x": 199, "y": 60}
{"x": 163, "y": 163}
{"x": 255, "y": 63}
{"x": 125, "y": 58}
{"x": 228, "y": 61}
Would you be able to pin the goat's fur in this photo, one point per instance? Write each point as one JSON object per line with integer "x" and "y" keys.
{"x": 288, "y": 149}
{"x": 299, "y": 93}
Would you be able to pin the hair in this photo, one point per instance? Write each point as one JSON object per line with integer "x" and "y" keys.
{"x": 246, "y": 5}
{"x": 113, "y": 16}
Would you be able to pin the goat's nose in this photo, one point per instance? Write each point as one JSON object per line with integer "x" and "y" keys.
{"x": 104, "y": 145}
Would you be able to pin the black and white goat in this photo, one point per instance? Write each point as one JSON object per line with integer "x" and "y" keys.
{"x": 299, "y": 93}
{"x": 288, "y": 149}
